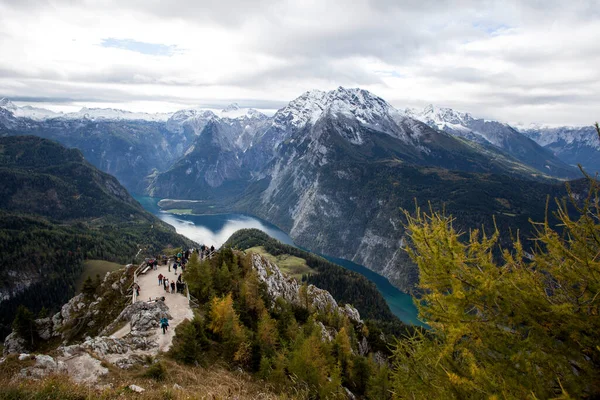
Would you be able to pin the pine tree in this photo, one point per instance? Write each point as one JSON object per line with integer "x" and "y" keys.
{"x": 267, "y": 334}
{"x": 198, "y": 277}
{"x": 224, "y": 321}
{"x": 524, "y": 327}
{"x": 88, "y": 289}
{"x": 24, "y": 325}
{"x": 188, "y": 341}
{"x": 223, "y": 279}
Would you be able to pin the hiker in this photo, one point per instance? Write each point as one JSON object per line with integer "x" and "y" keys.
{"x": 160, "y": 278}
{"x": 172, "y": 287}
{"x": 164, "y": 324}
{"x": 212, "y": 249}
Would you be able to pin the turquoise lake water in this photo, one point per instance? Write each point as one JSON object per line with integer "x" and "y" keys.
{"x": 214, "y": 230}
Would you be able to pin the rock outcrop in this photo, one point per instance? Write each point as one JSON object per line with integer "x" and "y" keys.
{"x": 14, "y": 344}
{"x": 279, "y": 285}
{"x": 142, "y": 316}
{"x": 44, "y": 365}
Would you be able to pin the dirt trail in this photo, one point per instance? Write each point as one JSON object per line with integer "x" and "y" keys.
{"x": 177, "y": 302}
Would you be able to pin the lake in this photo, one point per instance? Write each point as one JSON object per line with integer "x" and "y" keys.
{"x": 214, "y": 230}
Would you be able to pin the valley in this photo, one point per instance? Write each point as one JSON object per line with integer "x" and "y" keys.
{"x": 214, "y": 230}
{"x": 331, "y": 169}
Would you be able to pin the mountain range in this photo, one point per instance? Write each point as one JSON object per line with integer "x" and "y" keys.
{"x": 331, "y": 168}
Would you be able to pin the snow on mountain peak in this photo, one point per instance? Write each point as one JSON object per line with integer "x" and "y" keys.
{"x": 234, "y": 111}
{"x": 115, "y": 114}
{"x": 7, "y": 104}
{"x": 231, "y": 107}
{"x": 357, "y": 103}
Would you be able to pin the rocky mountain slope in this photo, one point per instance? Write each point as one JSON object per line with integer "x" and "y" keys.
{"x": 57, "y": 210}
{"x": 573, "y": 145}
{"x": 333, "y": 169}
{"x": 496, "y": 134}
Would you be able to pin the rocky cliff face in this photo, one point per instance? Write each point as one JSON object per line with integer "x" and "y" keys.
{"x": 287, "y": 288}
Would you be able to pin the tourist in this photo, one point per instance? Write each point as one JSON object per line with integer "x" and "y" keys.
{"x": 172, "y": 287}
{"x": 160, "y": 279}
{"x": 164, "y": 324}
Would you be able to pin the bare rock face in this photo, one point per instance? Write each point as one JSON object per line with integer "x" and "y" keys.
{"x": 14, "y": 344}
{"x": 44, "y": 366}
{"x": 321, "y": 299}
{"x": 148, "y": 315}
{"x": 326, "y": 334}
{"x": 351, "y": 313}
{"x": 363, "y": 347}
{"x": 75, "y": 304}
{"x": 142, "y": 315}
{"x": 107, "y": 345}
{"x": 45, "y": 328}
{"x": 129, "y": 361}
{"x": 84, "y": 368}
{"x": 57, "y": 322}
{"x": 279, "y": 285}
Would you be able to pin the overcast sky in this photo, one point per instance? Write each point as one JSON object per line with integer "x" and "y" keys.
{"x": 516, "y": 61}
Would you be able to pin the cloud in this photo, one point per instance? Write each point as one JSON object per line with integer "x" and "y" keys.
{"x": 503, "y": 59}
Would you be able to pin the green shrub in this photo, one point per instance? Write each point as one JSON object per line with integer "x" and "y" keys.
{"x": 156, "y": 371}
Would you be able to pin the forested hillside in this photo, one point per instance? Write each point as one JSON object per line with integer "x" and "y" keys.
{"x": 295, "y": 339}
{"x": 344, "y": 285}
{"x": 57, "y": 210}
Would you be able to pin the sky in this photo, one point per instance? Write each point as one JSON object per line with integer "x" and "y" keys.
{"x": 515, "y": 61}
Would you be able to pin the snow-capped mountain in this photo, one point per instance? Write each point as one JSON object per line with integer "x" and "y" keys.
{"x": 196, "y": 118}
{"x": 493, "y": 133}
{"x": 34, "y": 113}
{"x": 573, "y": 145}
{"x": 234, "y": 111}
{"x": 41, "y": 114}
{"x": 114, "y": 114}
{"x": 569, "y": 135}
{"x": 360, "y": 105}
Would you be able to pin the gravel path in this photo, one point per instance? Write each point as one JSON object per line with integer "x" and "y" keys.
{"x": 177, "y": 302}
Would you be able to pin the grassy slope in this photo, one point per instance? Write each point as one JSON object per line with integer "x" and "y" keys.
{"x": 288, "y": 264}
{"x": 215, "y": 382}
{"x": 91, "y": 268}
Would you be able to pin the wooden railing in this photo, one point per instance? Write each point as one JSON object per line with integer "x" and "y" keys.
{"x": 192, "y": 301}
{"x": 137, "y": 271}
